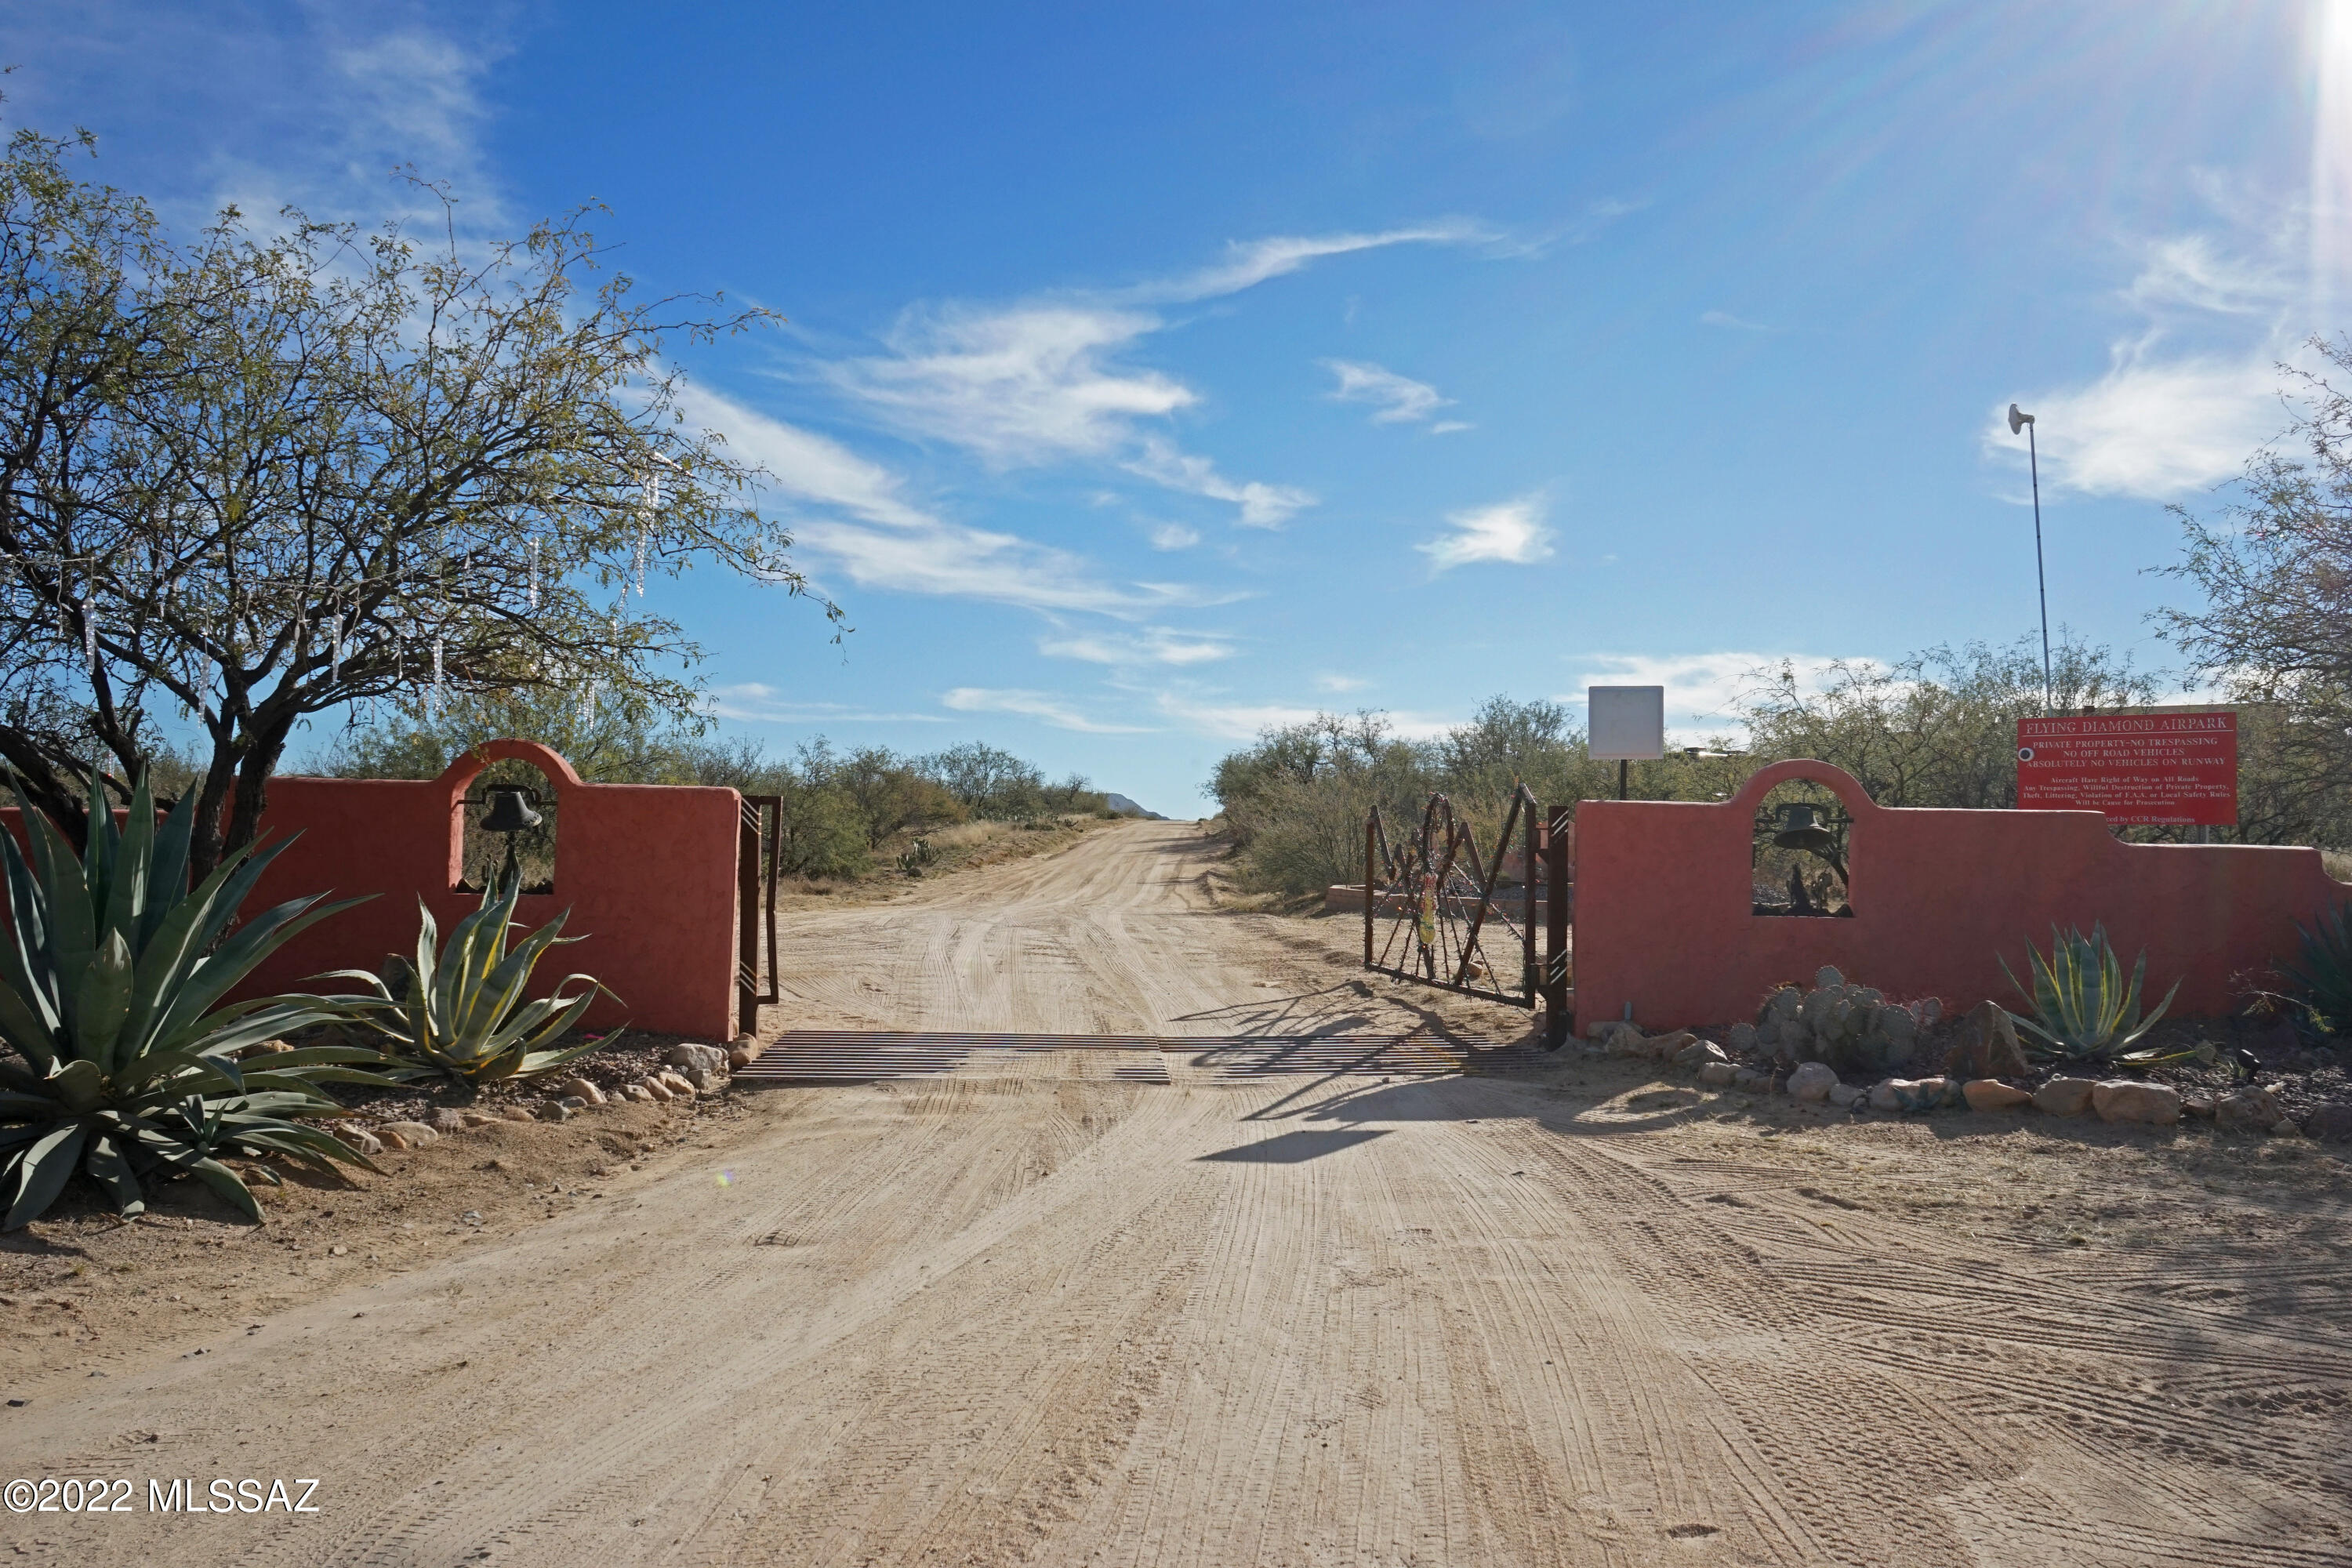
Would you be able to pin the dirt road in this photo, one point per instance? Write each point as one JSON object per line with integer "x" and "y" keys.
{"x": 1566, "y": 1317}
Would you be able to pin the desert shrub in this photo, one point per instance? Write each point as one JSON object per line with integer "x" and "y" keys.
{"x": 110, "y": 994}
{"x": 2321, "y": 979}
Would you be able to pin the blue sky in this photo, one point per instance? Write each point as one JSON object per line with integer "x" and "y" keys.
{"x": 1156, "y": 373}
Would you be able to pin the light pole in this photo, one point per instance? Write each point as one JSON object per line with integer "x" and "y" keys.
{"x": 2019, "y": 420}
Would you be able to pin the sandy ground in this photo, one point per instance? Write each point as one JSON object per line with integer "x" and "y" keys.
{"x": 1572, "y": 1316}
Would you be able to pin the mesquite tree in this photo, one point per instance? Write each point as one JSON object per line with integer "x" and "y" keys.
{"x": 352, "y": 468}
{"x": 2276, "y": 574}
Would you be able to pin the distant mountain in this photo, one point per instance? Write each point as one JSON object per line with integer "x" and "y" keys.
{"x": 1126, "y": 807}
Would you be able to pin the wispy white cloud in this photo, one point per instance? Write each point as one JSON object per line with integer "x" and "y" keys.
{"x": 1394, "y": 399}
{"x": 1049, "y": 380}
{"x": 1041, "y": 706}
{"x": 1511, "y": 531}
{"x": 1029, "y": 385}
{"x": 751, "y": 701}
{"x": 314, "y": 108}
{"x": 2189, "y": 393}
{"x": 1248, "y": 263}
{"x": 1156, "y": 645}
{"x": 1340, "y": 683}
{"x": 1448, "y": 427}
{"x": 1725, "y": 319}
{"x": 867, "y": 528}
{"x": 1262, "y": 505}
{"x": 2153, "y": 428}
{"x": 1174, "y": 536}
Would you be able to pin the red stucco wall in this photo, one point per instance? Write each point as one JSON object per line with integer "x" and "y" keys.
{"x": 1662, "y": 901}
{"x": 648, "y": 871}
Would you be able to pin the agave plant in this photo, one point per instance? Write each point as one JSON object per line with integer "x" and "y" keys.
{"x": 458, "y": 1011}
{"x": 2324, "y": 979}
{"x": 111, "y": 982}
{"x": 2083, "y": 1011}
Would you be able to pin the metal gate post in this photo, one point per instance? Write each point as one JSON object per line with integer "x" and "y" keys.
{"x": 747, "y": 919}
{"x": 1371, "y": 888}
{"x": 1558, "y": 835}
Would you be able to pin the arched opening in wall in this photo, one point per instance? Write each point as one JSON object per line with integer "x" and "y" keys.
{"x": 509, "y": 818}
{"x": 1798, "y": 853}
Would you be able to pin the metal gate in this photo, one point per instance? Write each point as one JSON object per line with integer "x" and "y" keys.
{"x": 759, "y": 835}
{"x": 1438, "y": 913}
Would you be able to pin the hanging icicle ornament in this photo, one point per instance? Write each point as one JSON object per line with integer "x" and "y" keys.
{"x": 645, "y": 525}
{"x": 588, "y": 706}
{"x": 89, "y": 637}
{"x": 534, "y": 572}
{"x": 335, "y": 650}
{"x": 437, "y": 677}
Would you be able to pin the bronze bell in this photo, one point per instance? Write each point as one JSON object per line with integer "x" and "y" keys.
{"x": 1800, "y": 829}
{"x": 509, "y": 809}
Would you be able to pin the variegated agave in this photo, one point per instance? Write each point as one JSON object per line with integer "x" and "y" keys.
{"x": 2082, "y": 1009}
{"x": 458, "y": 1011}
{"x": 110, "y": 987}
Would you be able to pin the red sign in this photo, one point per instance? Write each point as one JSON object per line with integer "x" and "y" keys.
{"x": 2155, "y": 768}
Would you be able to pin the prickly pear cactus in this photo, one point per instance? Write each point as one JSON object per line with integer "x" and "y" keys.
{"x": 1853, "y": 1028}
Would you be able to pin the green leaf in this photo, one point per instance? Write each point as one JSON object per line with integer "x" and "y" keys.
{"x": 109, "y": 1169}
{"x": 104, "y": 1002}
{"x": 225, "y": 1183}
{"x": 41, "y": 1172}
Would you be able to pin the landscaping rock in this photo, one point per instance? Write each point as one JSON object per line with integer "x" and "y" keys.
{"x": 1698, "y": 1054}
{"x": 1717, "y": 1075}
{"x": 412, "y": 1134}
{"x": 742, "y": 1057}
{"x": 1664, "y": 1048}
{"x": 1812, "y": 1081}
{"x": 686, "y": 1054}
{"x": 703, "y": 1080}
{"x": 2123, "y": 1099}
{"x": 448, "y": 1118}
{"x": 1843, "y": 1095}
{"x": 679, "y": 1086}
{"x": 2287, "y": 1129}
{"x": 1991, "y": 1094}
{"x": 655, "y": 1091}
{"x": 2198, "y": 1106}
{"x": 1907, "y": 1094}
{"x": 478, "y": 1118}
{"x": 2248, "y": 1110}
{"x": 360, "y": 1139}
{"x": 554, "y": 1111}
{"x": 573, "y": 1102}
{"x": 2329, "y": 1124}
{"x": 638, "y": 1092}
{"x": 2064, "y": 1096}
{"x": 1750, "y": 1078}
{"x": 1987, "y": 1045}
{"x": 581, "y": 1089}
{"x": 518, "y": 1113}
{"x": 745, "y": 1042}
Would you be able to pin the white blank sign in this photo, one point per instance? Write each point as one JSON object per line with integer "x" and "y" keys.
{"x": 1627, "y": 722}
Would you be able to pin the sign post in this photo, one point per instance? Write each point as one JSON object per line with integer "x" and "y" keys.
{"x": 2158, "y": 769}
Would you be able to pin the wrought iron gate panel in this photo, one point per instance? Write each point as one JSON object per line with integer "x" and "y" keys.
{"x": 1431, "y": 910}
{"x": 759, "y": 835}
